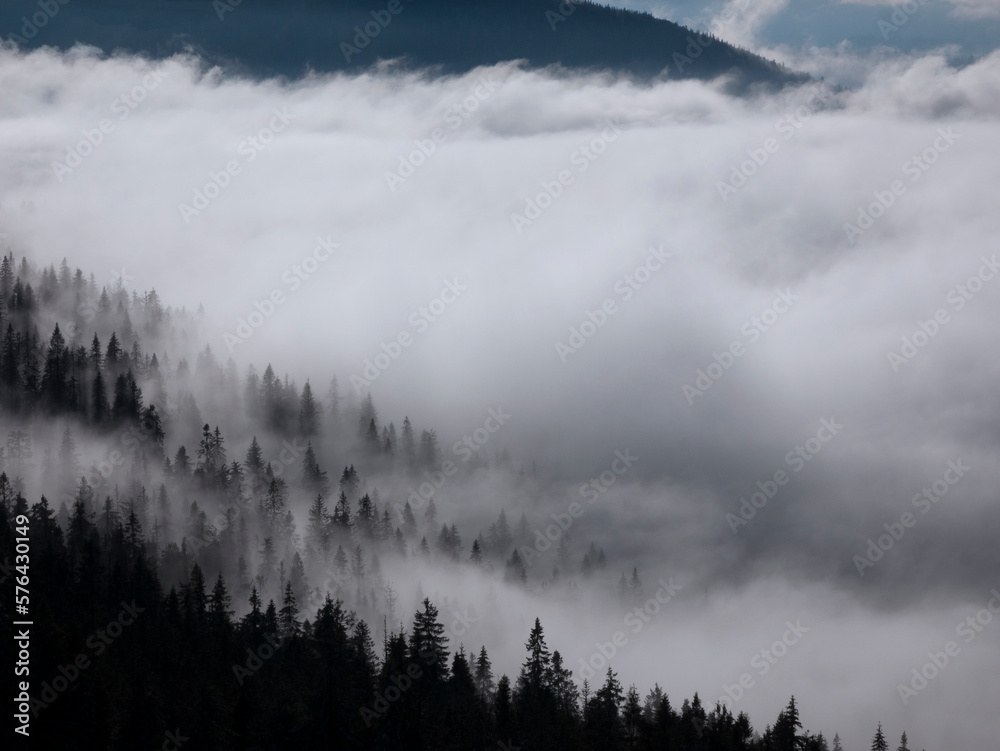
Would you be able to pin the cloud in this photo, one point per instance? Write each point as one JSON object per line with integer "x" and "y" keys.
{"x": 963, "y": 8}
{"x": 800, "y": 166}
{"x": 741, "y": 21}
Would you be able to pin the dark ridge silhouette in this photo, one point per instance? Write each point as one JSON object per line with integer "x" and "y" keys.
{"x": 272, "y": 37}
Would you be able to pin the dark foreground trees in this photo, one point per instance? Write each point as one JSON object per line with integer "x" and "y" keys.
{"x": 119, "y": 663}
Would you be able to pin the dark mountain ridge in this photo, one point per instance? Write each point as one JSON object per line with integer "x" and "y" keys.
{"x": 270, "y": 37}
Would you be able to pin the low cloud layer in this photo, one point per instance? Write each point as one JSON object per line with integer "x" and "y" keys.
{"x": 661, "y": 269}
{"x": 970, "y": 8}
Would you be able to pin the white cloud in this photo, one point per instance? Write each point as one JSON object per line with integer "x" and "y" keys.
{"x": 964, "y": 8}
{"x": 324, "y": 174}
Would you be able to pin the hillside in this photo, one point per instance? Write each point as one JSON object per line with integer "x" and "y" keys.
{"x": 267, "y": 37}
{"x": 180, "y": 593}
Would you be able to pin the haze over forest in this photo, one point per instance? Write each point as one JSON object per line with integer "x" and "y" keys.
{"x": 715, "y": 338}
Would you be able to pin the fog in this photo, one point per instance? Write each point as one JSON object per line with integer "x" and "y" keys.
{"x": 638, "y": 171}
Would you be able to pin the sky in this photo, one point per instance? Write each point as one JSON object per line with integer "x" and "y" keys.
{"x": 791, "y": 295}
{"x": 969, "y": 27}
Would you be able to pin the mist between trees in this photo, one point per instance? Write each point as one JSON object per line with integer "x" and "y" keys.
{"x": 265, "y": 585}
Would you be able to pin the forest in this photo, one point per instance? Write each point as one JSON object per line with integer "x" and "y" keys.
{"x": 291, "y": 37}
{"x": 208, "y": 558}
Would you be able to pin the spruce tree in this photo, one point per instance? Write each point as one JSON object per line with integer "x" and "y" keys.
{"x": 428, "y": 644}
{"x": 309, "y": 412}
{"x": 318, "y": 527}
{"x": 288, "y": 622}
{"x": 878, "y": 742}
{"x": 484, "y": 675}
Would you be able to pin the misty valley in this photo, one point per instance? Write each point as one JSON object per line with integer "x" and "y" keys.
{"x": 498, "y": 375}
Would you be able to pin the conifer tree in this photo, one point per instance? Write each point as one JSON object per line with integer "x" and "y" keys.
{"x": 408, "y": 446}
{"x": 288, "y": 622}
{"x": 313, "y": 478}
{"x": 318, "y": 527}
{"x": 309, "y": 412}
{"x": 428, "y": 644}
{"x": 514, "y": 570}
{"x": 879, "y": 742}
{"x": 484, "y": 675}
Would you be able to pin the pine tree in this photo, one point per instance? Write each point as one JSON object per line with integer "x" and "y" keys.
{"x": 96, "y": 355}
{"x": 152, "y": 429}
{"x": 372, "y": 441}
{"x": 389, "y": 440}
{"x": 342, "y": 517}
{"x": 340, "y": 560}
{"x": 606, "y": 709}
{"x": 318, "y": 527}
{"x": 195, "y": 599}
{"x": 10, "y": 367}
{"x": 514, "y": 570}
{"x": 408, "y": 445}
{"x": 364, "y": 520}
{"x": 313, "y": 478}
{"x": 219, "y": 603}
{"x": 533, "y": 682}
{"x": 632, "y": 722}
{"x": 428, "y": 644}
{"x": 367, "y": 416}
{"x": 499, "y": 537}
{"x": 785, "y": 731}
{"x": 635, "y": 584}
{"x": 502, "y": 707}
{"x": 255, "y": 457}
{"x": 430, "y": 458}
{"x": 55, "y": 371}
{"x": 288, "y": 622}
{"x": 309, "y": 412}
{"x": 267, "y": 562}
{"x": 878, "y": 742}
{"x": 349, "y": 483}
{"x": 409, "y": 521}
{"x": 484, "y": 675}
{"x": 30, "y": 376}
{"x": 113, "y": 355}
{"x": 100, "y": 409}
{"x": 271, "y": 625}
{"x": 182, "y": 464}
{"x": 462, "y": 690}
{"x": 358, "y": 563}
{"x": 563, "y": 688}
